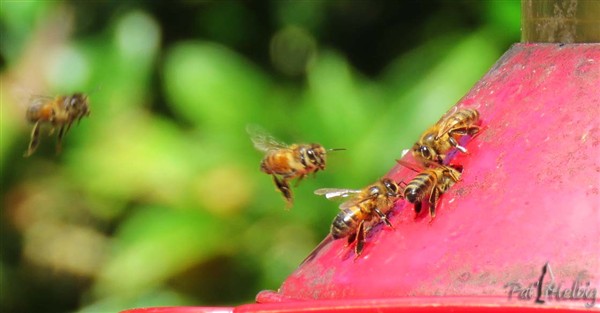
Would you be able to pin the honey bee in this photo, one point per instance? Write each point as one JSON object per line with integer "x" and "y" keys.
{"x": 362, "y": 206}
{"x": 59, "y": 112}
{"x": 287, "y": 162}
{"x": 435, "y": 142}
{"x": 433, "y": 181}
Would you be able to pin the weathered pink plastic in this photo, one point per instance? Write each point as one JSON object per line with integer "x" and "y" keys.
{"x": 529, "y": 195}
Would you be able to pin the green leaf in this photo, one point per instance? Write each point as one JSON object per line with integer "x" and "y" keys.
{"x": 209, "y": 85}
{"x": 157, "y": 243}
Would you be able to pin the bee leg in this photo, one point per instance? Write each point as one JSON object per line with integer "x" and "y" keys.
{"x": 454, "y": 143}
{"x": 462, "y": 131}
{"x": 351, "y": 238}
{"x": 470, "y": 130}
{"x": 321, "y": 168}
{"x": 284, "y": 187}
{"x": 61, "y": 133}
{"x": 360, "y": 239}
{"x": 418, "y": 207}
{"x": 473, "y": 130}
{"x": 299, "y": 179}
{"x": 34, "y": 141}
{"x": 440, "y": 158}
{"x": 433, "y": 199}
{"x": 384, "y": 218}
{"x": 453, "y": 174}
{"x": 69, "y": 126}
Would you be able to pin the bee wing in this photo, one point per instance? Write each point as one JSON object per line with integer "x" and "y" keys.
{"x": 332, "y": 193}
{"x": 354, "y": 201}
{"x": 442, "y": 131}
{"x": 413, "y": 167}
{"x": 449, "y": 122}
{"x": 35, "y": 100}
{"x": 262, "y": 140}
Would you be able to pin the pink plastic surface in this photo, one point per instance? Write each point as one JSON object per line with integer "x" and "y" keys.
{"x": 181, "y": 310}
{"x": 529, "y": 194}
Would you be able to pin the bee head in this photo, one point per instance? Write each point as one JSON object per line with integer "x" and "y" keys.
{"x": 316, "y": 155}
{"x": 77, "y": 104}
{"x": 425, "y": 152}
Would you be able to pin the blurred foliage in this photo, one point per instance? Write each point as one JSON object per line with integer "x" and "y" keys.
{"x": 157, "y": 198}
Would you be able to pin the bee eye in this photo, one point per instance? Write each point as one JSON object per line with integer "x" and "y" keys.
{"x": 374, "y": 191}
{"x": 391, "y": 187}
{"x": 425, "y": 152}
{"x": 73, "y": 102}
{"x": 311, "y": 155}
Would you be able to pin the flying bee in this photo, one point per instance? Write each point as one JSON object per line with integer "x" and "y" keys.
{"x": 287, "y": 162}
{"x": 432, "y": 182}
{"x": 435, "y": 142}
{"x": 59, "y": 112}
{"x": 362, "y": 206}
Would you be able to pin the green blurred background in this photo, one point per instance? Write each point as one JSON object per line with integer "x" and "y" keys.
{"x": 157, "y": 198}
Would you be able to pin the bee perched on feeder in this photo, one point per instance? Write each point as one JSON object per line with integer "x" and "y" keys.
{"x": 438, "y": 140}
{"x": 362, "y": 206}
{"x": 430, "y": 182}
{"x": 59, "y": 112}
{"x": 286, "y": 162}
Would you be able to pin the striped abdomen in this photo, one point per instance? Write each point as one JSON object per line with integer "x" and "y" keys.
{"x": 347, "y": 221}
{"x": 280, "y": 162}
{"x": 462, "y": 118}
{"x": 419, "y": 186}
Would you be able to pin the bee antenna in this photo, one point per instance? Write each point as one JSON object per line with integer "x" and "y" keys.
{"x": 336, "y": 149}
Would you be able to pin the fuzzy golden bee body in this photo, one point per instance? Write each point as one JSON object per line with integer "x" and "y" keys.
{"x": 438, "y": 140}
{"x": 432, "y": 182}
{"x": 364, "y": 205}
{"x": 59, "y": 112}
{"x": 297, "y": 160}
{"x": 287, "y": 162}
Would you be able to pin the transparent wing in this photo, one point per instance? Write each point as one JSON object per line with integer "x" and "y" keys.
{"x": 18, "y": 94}
{"x": 444, "y": 130}
{"x": 449, "y": 122}
{"x": 354, "y": 201}
{"x": 34, "y": 104}
{"x": 415, "y": 167}
{"x": 443, "y": 125}
{"x": 36, "y": 100}
{"x": 262, "y": 140}
{"x": 332, "y": 193}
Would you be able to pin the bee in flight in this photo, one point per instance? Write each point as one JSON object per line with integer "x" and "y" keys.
{"x": 435, "y": 142}
{"x": 287, "y": 162}
{"x": 362, "y": 206}
{"x": 432, "y": 182}
{"x": 59, "y": 112}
